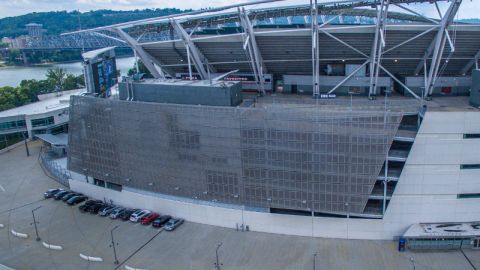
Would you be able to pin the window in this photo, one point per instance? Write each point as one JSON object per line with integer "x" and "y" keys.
{"x": 469, "y": 166}
{"x": 468, "y": 196}
{"x": 114, "y": 186}
{"x": 99, "y": 182}
{"x": 471, "y": 136}
{"x": 12, "y": 124}
{"x": 42, "y": 121}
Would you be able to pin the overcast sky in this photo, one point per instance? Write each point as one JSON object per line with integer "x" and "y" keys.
{"x": 469, "y": 9}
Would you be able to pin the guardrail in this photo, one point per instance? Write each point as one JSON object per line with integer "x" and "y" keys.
{"x": 56, "y": 171}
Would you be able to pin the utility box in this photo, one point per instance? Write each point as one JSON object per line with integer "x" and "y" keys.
{"x": 215, "y": 93}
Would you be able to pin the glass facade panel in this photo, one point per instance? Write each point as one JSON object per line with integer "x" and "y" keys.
{"x": 42, "y": 122}
{"x": 12, "y": 124}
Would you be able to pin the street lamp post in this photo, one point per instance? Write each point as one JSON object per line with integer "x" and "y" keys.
{"x": 113, "y": 245}
{"x": 412, "y": 260}
{"x": 35, "y": 223}
{"x": 217, "y": 263}
{"x": 348, "y": 216}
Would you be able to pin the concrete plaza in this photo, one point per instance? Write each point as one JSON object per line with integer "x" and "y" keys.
{"x": 191, "y": 246}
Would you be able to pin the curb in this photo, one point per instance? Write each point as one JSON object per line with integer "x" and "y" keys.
{"x": 91, "y": 259}
{"x": 19, "y": 235}
{"x": 52, "y": 246}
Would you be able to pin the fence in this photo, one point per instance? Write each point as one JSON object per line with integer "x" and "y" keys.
{"x": 58, "y": 173}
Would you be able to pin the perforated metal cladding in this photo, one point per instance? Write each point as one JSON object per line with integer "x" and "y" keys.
{"x": 294, "y": 158}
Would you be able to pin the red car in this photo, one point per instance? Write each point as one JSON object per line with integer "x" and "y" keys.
{"x": 146, "y": 220}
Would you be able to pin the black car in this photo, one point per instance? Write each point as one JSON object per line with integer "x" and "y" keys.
{"x": 127, "y": 213}
{"x": 49, "y": 193}
{"x": 93, "y": 209}
{"x": 68, "y": 196}
{"x": 60, "y": 194}
{"x": 88, "y": 205}
{"x": 76, "y": 200}
{"x": 159, "y": 222}
{"x": 91, "y": 202}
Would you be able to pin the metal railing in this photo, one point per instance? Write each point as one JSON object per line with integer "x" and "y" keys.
{"x": 58, "y": 173}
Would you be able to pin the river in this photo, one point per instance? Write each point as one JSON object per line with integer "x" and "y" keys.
{"x": 13, "y": 75}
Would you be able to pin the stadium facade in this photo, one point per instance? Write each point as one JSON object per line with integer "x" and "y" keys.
{"x": 284, "y": 162}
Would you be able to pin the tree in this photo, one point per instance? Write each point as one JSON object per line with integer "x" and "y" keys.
{"x": 141, "y": 68}
{"x": 57, "y": 76}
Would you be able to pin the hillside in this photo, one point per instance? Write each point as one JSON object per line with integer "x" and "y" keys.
{"x": 57, "y": 22}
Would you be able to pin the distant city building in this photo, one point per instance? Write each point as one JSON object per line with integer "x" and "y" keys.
{"x": 19, "y": 42}
{"x": 35, "y": 30}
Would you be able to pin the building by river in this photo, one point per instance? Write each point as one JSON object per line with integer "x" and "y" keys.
{"x": 48, "y": 116}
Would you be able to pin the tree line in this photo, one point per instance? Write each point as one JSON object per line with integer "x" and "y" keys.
{"x": 28, "y": 90}
{"x": 56, "y": 22}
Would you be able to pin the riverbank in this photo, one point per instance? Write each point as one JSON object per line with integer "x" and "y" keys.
{"x": 13, "y": 75}
{"x": 6, "y": 64}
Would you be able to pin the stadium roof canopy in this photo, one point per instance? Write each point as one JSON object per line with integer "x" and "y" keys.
{"x": 259, "y": 38}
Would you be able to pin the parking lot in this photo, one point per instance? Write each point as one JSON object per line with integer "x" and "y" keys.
{"x": 190, "y": 246}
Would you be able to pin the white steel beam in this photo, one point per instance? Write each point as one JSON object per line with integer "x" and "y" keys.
{"x": 148, "y": 60}
{"x": 411, "y": 39}
{"x": 377, "y": 46}
{"x": 253, "y": 52}
{"x": 400, "y": 82}
{"x": 315, "y": 48}
{"x": 439, "y": 46}
{"x": 470, "y": 63}
{"x": 348, "y": 77}
{"x": 344, "y": 43}
{"x": 196, "y": 56}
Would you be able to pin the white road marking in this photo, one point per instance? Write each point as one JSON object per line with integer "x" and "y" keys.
{"x": 2, "y": 188}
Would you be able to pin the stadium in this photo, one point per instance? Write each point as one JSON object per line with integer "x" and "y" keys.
{"x": 340, "y": 119}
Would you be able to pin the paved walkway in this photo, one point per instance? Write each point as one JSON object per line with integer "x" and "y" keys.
{"x": 192, "y": 246}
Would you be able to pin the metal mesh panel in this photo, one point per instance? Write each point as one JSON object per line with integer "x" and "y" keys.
{"x": 282, "y": 157}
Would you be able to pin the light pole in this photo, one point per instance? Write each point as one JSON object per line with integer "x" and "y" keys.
{"x": 217, "y": 263}
{"x": 35, "y": 223}
{"x": 314, "y": 259}
{"x": 412, "y": 260}
{"x": 348, "y": 216}
{"x": 113, "y": 245}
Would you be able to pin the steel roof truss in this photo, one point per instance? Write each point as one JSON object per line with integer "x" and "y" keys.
{"x": 253, "y": 52}
{"x": 377, "y": 46}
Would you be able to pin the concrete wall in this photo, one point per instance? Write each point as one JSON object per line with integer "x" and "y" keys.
{"x": 460, "y": 86}
{"x": 475, "y": 93}
{"x": 431, "y": 179}
{"x": 304, "y": 84}
{"x": 426, "y": 192}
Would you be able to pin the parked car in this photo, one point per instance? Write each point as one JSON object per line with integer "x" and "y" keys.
{"x": 95, "y": 208}
{"x": 135, "y": 217}
{"x": 86, "y": 206}
{"x": 91, "y": 202}
{"x": 49, "y": 193}
{"x": 68, "y": 196}
{"x": 172, "y": 224}
{"x": 60, "y": 194}
{"x": 106, "y": 211}
{"x": 116, "y": 213}
{"x": 125, "y": 215}
{"x": 160, "y": 221}
{"x": 146, "y": 220}
{"x": 76, "y": 199}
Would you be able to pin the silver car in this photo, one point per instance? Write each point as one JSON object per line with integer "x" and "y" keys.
{"x": 105, "y": 212}
{"x": 135, "y": 217}
{"x": 117, "y": 212}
